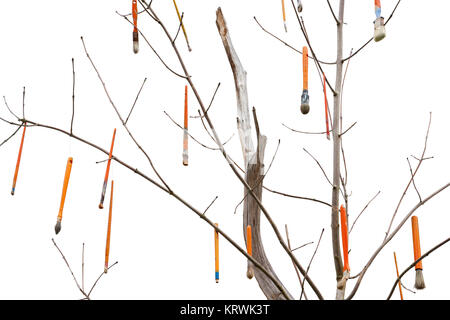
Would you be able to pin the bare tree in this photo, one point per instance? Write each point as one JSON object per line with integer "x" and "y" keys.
{"x": 251, "y": 176}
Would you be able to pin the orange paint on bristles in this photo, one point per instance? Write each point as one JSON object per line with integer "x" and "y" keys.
{"x": 105, "y": 182}
{"x": 305, "y": 68}
{"x": 65, "y": 185}
{"x": 326, "y": 105}
{"x": 344, "y": 232}
{"x": 18, "y": 161}
{"x": 249, "y": 240}
{"x": 416, "y": 241}
{"x": 108, "y": 234}
{"x": 399, "y": 282}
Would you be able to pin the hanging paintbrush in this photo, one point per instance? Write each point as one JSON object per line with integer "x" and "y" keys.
{"x": 250, "y": 272}
{"x": 399, "y": 281}
{"x": 216, "y": 252}
{"x": 284, "y": 14}
{"x": 105, "y": 183}
{"x": 182, "y": 25}
{"x": 108, "y": 233}
{"x": 134, "y": 11}
{"x": 420, "y": 283}
{"x": 326, "y": 105}
{"x": 299, "y": 6}
{"x": 18, "y": 160}
{"x": 63, "y": 196}
{"x": 305, "y": 97}
{"x": 380, "y": 30}
{"x": 185, "y": 131}
{"x": 344, "y": 232}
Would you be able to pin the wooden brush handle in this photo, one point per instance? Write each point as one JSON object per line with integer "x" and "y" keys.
{"x": 135, "y": 14}
{"x": 344, "y": 232}
{"x": 284, "y": 10}
{"x": 305, "y": 68}
{"x": 416, "y": 241}
{"x": 65, "y": 185}
{"x": 108, "y": 233}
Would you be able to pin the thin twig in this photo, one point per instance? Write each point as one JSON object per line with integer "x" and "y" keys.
{"x": 212, "y": 202}
{"x": 320, "y": 166}
{"x": 212, "y": 99}
{"x": 310, "y": 262}
{"x": 7, "y": 106}
{"x": 295, "y": 267}
{"x": 413, "y": 180}
{"x": 99, "y": 277}
{"x": 135, "y": 100}
{"x": 332, "y": 12}
{"x": 82, "y": 268}
{"x": 362, "y": 211}
{"x": 179, "y": 27}
{"x": 12, "y": 135}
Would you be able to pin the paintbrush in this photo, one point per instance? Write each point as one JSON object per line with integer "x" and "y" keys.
{"x": 420, "y": 283}
{"x": 135, "y": 30}
{"x": 304, "y": 107}
{"x": 64, "y": 192}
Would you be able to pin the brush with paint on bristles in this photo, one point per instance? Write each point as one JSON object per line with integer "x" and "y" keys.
{"x": 134, "y": 11}
{"x": 250, "y": 272}
{"x": 16, "y": 172}
{"x": 420, "y": 283}
{"x": 105, "y": 182}
{"x": 63, "y": 196}
{"x": 185, "y": 130}
{"x": 182, "y": 26}
{"x": 216, "y": 252}
{"x": 304, "y": 107}
{"x": 379, "y": 28}
{"x": 108, "y": 233}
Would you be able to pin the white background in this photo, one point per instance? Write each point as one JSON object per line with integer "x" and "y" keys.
{"x": 164, "y": 250}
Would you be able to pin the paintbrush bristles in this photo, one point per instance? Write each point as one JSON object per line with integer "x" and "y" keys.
{"x": 58, "y": 226}
{"x": 135, "y": 42}
{"x": 420, "y": 282}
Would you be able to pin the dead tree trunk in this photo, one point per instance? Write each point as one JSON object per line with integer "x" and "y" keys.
{"x": 254, "y": 165}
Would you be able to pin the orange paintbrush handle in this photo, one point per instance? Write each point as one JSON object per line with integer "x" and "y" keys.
{"x": 305, "y": 68}
{"x": 249, "y": 240}
{"x": 216, "y": 252}
{"x": 284, "y": 10}
{"x": 344, "y": 233}
{"x": 108, "y": 234}
{"x": 416, "y": 241}
{"x": 105, "y": 182}
{"x": 18, "y": 161}
{"x": 65, "y": 185}
{"x": 399, "y": 282}
{"x": 186, "y": 107}
{"x": 135, "y": 15}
